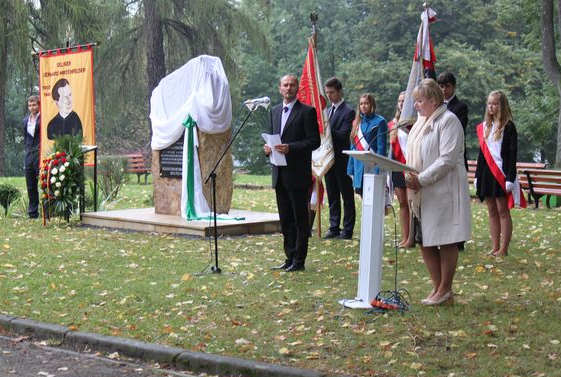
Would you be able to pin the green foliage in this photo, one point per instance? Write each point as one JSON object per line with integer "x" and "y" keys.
{"x": 488, "y": 45}
{"x": 368, "y": 43}
{"x": 111, "y": 175}
{"x": 8, "y": 195}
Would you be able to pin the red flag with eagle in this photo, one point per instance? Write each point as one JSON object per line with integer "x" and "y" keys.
{"x": 422, "y": 68}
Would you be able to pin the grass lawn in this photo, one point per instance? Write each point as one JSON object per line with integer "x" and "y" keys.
{"x": 505, "y": 321}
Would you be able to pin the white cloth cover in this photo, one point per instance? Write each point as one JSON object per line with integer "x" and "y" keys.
{"x": 199, "y": 88}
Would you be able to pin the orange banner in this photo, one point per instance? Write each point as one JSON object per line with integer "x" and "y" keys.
{"x": 67, "y": 97}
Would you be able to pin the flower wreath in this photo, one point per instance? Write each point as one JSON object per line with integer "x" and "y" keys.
{"x": 60, "y": 176}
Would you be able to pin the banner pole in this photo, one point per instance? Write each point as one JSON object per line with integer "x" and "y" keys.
{"x": 318, "y": 207}
{"x": 68, "y": 47}
{"x": 314, "y": 18}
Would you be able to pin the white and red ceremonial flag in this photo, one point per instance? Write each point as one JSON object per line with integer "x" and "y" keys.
{"x": 311, "y": 93}
{"x": 67, "y": 96}
{"x": 423, "y": 66}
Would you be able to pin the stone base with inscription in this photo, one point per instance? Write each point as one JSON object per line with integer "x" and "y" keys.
{"x": 166, "y": 173}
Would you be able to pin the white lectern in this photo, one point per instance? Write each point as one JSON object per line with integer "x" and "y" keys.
{"x": 372, "y": 229}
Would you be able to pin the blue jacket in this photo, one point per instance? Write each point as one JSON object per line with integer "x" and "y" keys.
{"x": 371, "y": 126}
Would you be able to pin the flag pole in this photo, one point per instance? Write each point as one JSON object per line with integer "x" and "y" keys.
{"x": 314, "y": 18}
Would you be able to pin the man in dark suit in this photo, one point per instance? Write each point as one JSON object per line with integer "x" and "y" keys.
{"x": 447, "y": 83}
{"x": 338, "y": 183}
{"x": 31, "y": 138}
{"x": 297, "y": 126}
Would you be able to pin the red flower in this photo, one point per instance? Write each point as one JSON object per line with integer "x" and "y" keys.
{"x": 63, "y": 160}
{"x": 63, "y": 153}
{"x": 55, "y": 162}
{"x": 44, "y": 185}
{"x": 57, "y": 154}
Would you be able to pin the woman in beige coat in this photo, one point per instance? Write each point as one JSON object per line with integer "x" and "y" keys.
{"x": 439, "y": 193}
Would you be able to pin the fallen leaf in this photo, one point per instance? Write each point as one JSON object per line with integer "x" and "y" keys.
{"x": 416, "y": 366}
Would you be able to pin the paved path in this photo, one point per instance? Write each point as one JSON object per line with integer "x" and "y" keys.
{"x": 22, "y": 358}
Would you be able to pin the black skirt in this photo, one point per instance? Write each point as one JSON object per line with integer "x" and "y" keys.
{"x": 398, "y": 179}
{"x": 487, "y": 185}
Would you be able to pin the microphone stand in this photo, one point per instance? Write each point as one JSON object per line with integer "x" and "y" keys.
{"x": 215, "y": 269}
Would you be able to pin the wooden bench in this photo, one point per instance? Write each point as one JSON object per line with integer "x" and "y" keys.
{"x": 472, "y": 165}
{"x": 520, "y": 166}
{"x": 137, "y": 165}
{"x": 540, "y": 182}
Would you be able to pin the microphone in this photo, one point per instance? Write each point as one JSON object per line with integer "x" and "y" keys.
{"x": 380, "y": 134}
{"x": 252, "y": 103}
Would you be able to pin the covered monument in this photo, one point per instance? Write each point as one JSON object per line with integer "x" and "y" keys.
{"x": 191, "y": 114}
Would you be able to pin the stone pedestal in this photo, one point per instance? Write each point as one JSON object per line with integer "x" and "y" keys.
{"x": 167, "y": 191}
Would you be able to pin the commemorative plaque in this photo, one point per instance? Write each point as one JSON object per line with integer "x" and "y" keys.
{"x": 171, "y": 160}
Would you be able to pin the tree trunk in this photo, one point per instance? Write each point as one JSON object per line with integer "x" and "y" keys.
{"x": 3, "y": 78}
{"x": 558, "y": 149}
{"x": 550, "y": 62}
{"x": 156, "y": 64}
{"x": 155, "y": 58}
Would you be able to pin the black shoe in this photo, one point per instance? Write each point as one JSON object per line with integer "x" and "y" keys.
{"x": 283, "y": 266}
{"x": 330, "y": 235}
{"x": 295, "y": 267}
{"x": 344, "y": 236}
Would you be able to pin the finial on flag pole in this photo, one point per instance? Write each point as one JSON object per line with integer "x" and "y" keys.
{"x": 314, "y": 18}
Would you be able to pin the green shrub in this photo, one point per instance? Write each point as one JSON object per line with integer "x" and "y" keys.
{"x": 8, "y": 195}
{"x": 111, "y": 175}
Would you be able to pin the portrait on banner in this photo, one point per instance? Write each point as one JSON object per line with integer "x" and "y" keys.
{"x": 67, "y": 97}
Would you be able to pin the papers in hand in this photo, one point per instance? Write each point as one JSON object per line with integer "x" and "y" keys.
{"x": 276, "y": 158}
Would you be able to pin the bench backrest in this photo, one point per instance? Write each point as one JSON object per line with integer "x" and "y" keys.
{"x": 136, "y": 163}
{"x": 541, "y": 178}
{"x": 520, "y": 167}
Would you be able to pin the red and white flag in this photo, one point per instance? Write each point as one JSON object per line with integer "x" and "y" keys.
{"x": 422, "y": 68}
{"x": 311, "y": 93}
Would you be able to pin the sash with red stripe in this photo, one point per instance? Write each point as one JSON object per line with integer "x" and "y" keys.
{"x": 360, "y": 141}
{"x": 495, "y": 170}
{"x": 396, "y": 146}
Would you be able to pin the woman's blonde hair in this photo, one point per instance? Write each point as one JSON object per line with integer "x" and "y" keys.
{"x": 393, "y": 131}
{"x": 357, "y": 120}
{"x": 504, "y": 115}
{"x": 429, "y": 89}
{"x": 397, "y": 110}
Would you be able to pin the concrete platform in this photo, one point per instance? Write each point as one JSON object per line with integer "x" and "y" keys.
{"x": 146, "y": 220}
